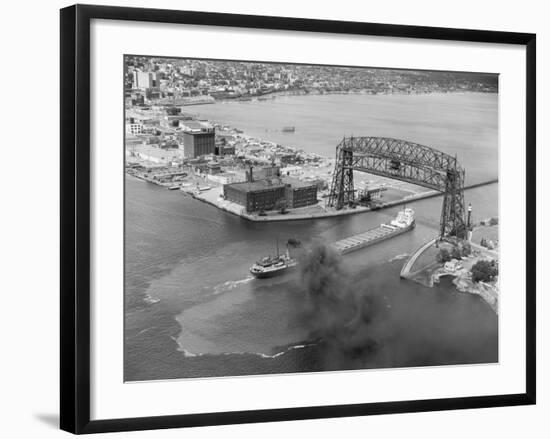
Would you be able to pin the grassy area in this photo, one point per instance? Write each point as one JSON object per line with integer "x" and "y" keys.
{"x": 487, "y": 232}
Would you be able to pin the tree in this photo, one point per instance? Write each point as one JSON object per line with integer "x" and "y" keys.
{"x": 466, "y": 249}
{"x": 456, "y": 253}
{"x": 484, "y": 270}
{"x": 444, "y": 255}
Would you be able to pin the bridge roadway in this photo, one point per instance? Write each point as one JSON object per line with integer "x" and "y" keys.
{"x": 406, "y": 270}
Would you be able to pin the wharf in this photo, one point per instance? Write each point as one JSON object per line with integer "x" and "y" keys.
{"x": 406, "y": 272}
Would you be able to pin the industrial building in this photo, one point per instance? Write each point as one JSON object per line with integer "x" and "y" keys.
{"x": 263, "y": 172}
{"x": 255, "y": 196}
{"x": 175, "y": 120}
{"x": 300, "y": 193}
{"x": 265, "y": 194}
{"x": 151, "y": 153}
{"x": 225, "y": 150}
{"x": 198, "y": 139}
{"x": 224, "y": 178}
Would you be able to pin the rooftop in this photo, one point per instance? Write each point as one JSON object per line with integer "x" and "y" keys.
{"x": 295, "y": 183}
{"x": 258, "y": 185}
{"x": 196, "y": 126}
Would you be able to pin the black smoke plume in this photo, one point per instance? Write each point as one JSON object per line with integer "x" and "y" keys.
{"x": 336, "y": 312}
{"x": 370, "y": 319}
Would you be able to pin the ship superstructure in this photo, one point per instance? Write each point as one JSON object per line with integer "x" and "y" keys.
{"x": 273, "y": 265}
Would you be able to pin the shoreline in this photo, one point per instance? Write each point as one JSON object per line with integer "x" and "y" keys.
{"x": 432, "y": 273}
{"x": 235, "y": 209}
{"x": 302, "y": 213}
{"x": 290, "y": 216}
{"x": 463, "y": 284}
{"x": 284, "y": 93}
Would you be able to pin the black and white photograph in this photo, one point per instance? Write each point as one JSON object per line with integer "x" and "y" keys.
{"x": 294, "y": 218}
{"x": 270, "y": 220}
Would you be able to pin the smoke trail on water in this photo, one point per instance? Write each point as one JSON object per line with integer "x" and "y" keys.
{"x": 368, "y": 319}
{"x": 335, "y": 311}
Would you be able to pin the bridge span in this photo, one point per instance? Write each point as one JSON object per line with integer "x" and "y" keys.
{"x": 405, "y": 161}
{"x": 406, "y": 270}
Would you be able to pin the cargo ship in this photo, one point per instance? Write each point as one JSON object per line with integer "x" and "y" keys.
{"x": 289, "y": 129}
{"x": 403, "y": 222}
{"x": 271, "y": 266}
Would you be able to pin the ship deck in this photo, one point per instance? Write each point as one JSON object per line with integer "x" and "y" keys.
{"x": 361, "y": 240}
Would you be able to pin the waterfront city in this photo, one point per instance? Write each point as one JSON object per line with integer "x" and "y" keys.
{"x": 228, "y": 162}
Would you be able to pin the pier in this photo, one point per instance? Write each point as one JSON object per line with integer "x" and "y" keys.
{"x": 406, "y": 270}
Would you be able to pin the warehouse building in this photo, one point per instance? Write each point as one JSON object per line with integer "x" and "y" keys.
{"x": 262, "y": 172}
{"x": 265, "y": 194}
{"x": 300, "y": 193}
{"x": 255, "y": 196}
{"x": 225, "y": 150}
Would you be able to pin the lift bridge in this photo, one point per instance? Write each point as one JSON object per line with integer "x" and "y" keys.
{"x": 405, "y": 161}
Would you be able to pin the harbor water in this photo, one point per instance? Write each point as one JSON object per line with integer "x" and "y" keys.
{"x": 193, "y": 310}
{"x": 463, "y": 124}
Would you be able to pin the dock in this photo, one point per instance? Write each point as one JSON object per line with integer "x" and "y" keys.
{"x": 406, "y": 272}
{"x": 372, "y": 236}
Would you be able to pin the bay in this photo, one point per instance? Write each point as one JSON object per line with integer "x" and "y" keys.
{"x": 191, "y": 307}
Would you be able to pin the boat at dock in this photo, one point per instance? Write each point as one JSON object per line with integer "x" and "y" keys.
{"x": 403, "y": 222}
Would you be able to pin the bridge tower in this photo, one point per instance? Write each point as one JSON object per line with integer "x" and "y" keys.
{"x": 453, "y": 222}
{"x": 408, "y": 162}
{"x": 342, "y": 192}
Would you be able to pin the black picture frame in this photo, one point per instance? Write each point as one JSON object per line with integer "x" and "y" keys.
{"x": 75, "y": 217}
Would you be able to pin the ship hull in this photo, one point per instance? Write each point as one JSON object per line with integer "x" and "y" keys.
{"x": 272, "y": 273}
{"x": 374, "y": 240}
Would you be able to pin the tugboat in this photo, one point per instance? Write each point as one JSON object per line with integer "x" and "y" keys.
{"x": 271, "y": 266}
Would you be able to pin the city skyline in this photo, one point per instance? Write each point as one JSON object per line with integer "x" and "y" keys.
{"x": 233, "y": 79}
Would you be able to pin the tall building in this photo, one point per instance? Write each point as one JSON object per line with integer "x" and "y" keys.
{"x": 144, "y": 80}
{"x": 198, "y": 139}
